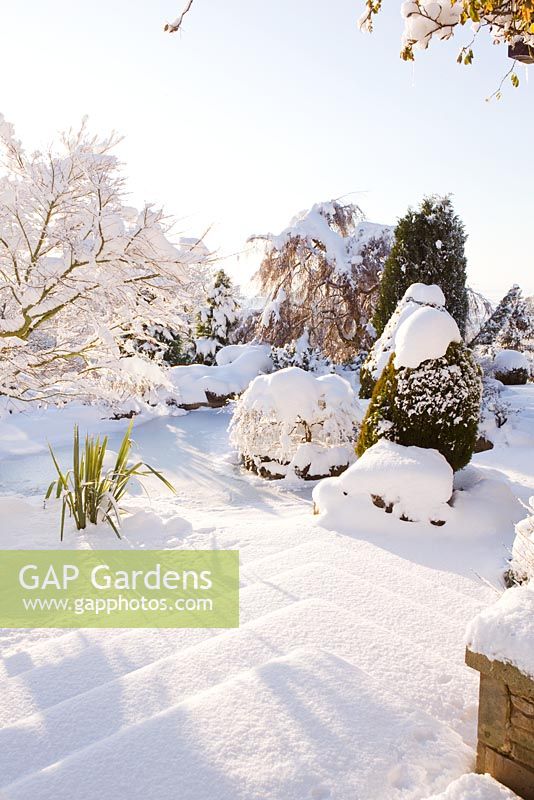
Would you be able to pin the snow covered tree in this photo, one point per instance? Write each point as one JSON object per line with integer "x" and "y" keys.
{"x": 511, "y": 325}
{"x": 321, "y": 274}
{"x": 81, "y": 274}
{"x": 428, "y": 248}
{"x": 416, "y": 296}
{"x": 217, "y": 320}
{"x": 429, "y": 394}
{"x": 424, "y": 20}
{"x": 165, "y": 344}
{"x": 479, "y": 311}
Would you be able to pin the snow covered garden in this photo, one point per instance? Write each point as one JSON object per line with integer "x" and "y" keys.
{"x": 352, "y": 417}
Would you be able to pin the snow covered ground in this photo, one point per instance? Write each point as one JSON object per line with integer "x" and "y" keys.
{"x": 346, "y": 678}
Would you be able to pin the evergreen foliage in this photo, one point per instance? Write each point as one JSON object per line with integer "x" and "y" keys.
{"x": 510, "y": 326}
{"x": 217, "y": 320}
{"x": 428, "y": 248}
{"x": 436, "y": 405}
{"x": 299, "y": 353}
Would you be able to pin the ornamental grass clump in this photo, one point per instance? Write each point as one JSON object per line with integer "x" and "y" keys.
{"x": 91, "y": 493}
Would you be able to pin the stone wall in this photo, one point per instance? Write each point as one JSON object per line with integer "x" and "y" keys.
{"x": 505, "y": 724}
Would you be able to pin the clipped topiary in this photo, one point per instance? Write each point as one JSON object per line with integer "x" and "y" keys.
{"x": 427, "y": 402}
{"x": 416, "y": 296}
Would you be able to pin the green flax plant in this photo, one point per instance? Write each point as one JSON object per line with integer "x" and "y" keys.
{"x": 91, "y": 493}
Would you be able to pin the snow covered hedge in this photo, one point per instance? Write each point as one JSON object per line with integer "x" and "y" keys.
{"x": 293, "y": 423}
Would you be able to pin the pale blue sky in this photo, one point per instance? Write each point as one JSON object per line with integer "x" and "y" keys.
{"x": 257, "y": 110}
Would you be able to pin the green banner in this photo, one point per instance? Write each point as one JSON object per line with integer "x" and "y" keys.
{"x": 119, "y": 588}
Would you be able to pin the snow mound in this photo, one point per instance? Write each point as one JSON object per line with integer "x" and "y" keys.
{"x": 426, "y": 334}
{"x": 475, "y": 787}
{"x": 426, "y": 294}
{"x": 412, "y": 482}
{"x": 417, "y": 296}
{"x": 505, "y": 630}
{"x": 288, "y": 728}
{"x": 508, "y": 360}
{"x": 192, "y": 383}
{"x": 228, "y": 354}
{"x": 291, "y": 414}
{"x": 315, "y": 460}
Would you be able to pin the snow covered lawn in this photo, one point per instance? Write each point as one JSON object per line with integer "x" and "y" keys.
{"x": 346, "y": 678}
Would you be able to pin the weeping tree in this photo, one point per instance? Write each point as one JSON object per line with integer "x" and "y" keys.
{"x": 428, "y": 248}
{"x": 322, "y": 275}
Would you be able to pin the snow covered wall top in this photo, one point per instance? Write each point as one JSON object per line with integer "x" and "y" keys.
{"x": 505, "y": 630}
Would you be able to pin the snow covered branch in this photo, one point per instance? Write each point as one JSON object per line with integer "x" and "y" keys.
{"x": 80, "y": 272}
{"x": 508, "y": 21}
{"x": 172, "y": 27}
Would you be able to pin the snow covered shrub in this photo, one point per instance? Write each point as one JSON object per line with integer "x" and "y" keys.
{"x": 217, "y": 320}
{"x": 322, "y": 274}
{"x": 428, "y": 248}
{"x": 299, "y": 353}
{"x": 511, "y": 367}
{"x": 162, "y": 343}
{"x": 291, "y": 422}
{"x": 429, "y": 394}
{"x": 412, "y": 483}
{"x": 494, "y": 413}
{"x": 416, "y": 296}
{"x": 91, "y": 493}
